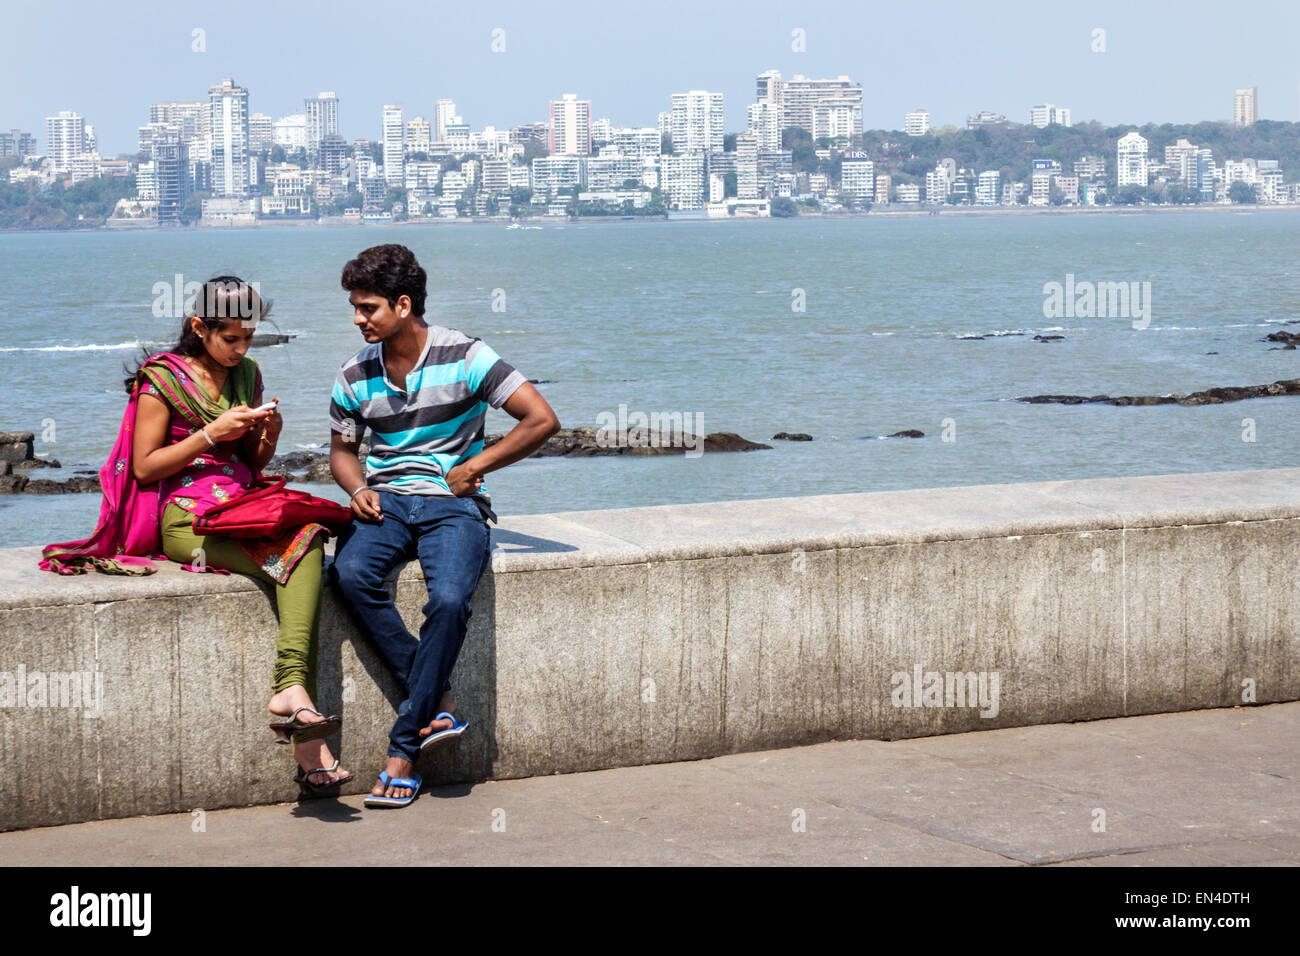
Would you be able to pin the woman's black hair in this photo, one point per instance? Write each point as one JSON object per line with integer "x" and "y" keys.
{"x": 220, "y": 300}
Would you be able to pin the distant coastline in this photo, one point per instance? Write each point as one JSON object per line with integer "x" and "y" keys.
{"x": 875, "y": 213}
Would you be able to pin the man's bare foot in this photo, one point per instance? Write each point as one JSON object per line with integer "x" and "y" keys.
{"x": 445, "y": 705}
{"x": 290, "y": 699}
{"x": 396, "y": 767}
{"x": 313, "y": 754}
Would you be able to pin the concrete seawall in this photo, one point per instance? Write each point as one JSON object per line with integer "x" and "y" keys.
{"x": 613, "y": 638}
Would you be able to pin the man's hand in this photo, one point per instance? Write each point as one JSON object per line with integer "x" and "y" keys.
{"x": 365, "y": 505}
{"x": 346, "y": 469}
{"x": 462, "y": 481}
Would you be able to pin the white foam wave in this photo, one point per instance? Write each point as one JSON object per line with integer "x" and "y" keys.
{"x": 73, "y": 348}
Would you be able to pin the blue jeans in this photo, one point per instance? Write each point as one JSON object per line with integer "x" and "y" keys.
{"x": 450, "y": 537}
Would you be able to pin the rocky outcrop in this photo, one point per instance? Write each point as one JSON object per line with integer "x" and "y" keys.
{"x": 791, "y": 436}
{"x": 17, "y": 458}
{"x": 313, "y": 466}
{"x": 1211, "y": 396}
{"x": 590, "y": 442}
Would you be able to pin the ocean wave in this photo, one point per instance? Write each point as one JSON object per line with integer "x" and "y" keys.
{"x": 998, "y": 333}
{"x": 74, "y": 348}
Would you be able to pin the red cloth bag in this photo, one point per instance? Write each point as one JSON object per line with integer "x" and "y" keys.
{"x": 268, "y": 509}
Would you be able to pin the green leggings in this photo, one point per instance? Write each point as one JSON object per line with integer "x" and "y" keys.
{"x": 298, "y": 601}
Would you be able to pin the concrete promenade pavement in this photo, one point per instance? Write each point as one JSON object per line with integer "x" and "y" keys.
{"x": 1201, "y": 788}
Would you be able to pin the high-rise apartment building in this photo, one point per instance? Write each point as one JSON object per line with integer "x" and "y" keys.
{"x": 260, "y": 133}
{"x": 1245, "y": 106}
{"x": 1047, "y": 114}
{"x": 569, "y": 126}
{"x": 1180, "y": 157}
{"x": 746, "y": 166}
{"x": 829, "y": 108}
{"x": 764, "y": 124}
{"x": 393, "y": 136}
{"x": 682, "y": 180}
{"x": 1132, "y": 165}
{"x": 987, "y": 188}
{"x": 444, "y": 113}
{"x": 768, "y": 87}
{"x": 419, "y": 135}
{"x": 322, "y": 113}
{"x": 228, "y": 138}
{"x": 65, "y": 139}
{"x": 641, "y": 142}
{"x": 696, "y": 121}
{"x": 858, "y": 176}
{"x": 916, "y": 123}
{"x": 17, "y": 143}
{"x": 171, "y": 175}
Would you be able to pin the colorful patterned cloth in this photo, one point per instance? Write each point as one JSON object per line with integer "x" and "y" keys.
{"x": 128, "y": 529}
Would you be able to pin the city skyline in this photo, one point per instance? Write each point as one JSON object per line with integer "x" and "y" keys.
{"x": 630, "y": 75}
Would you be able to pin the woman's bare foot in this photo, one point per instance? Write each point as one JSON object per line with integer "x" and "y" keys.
{"x": 396, "y": 767}
{"x": 445, "y": 705}
{"x": 290, "y": 699}
{"x": 313, "y": 754}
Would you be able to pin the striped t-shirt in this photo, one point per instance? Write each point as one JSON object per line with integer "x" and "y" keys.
{"x": 420, "y": 433}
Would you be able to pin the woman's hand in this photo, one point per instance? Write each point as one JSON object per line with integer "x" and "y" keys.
{"x": 233, "y": 423}
{"x": 271, "y": 426}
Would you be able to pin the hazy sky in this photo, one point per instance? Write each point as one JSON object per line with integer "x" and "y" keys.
{"x": 1163, "y": 62}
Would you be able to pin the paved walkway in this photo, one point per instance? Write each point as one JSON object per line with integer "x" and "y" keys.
{"x": 1209, "y": 788}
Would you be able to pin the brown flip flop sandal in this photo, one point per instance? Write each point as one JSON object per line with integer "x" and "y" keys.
{"x": 284, "y": 731}
{"x": 311, "y": 791}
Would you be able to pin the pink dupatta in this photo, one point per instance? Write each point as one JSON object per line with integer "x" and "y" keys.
{"x": 127, "y": 539}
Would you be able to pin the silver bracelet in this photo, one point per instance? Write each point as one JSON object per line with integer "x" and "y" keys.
{"x": 208, "y": 437}
{"x": 357, "y": 492}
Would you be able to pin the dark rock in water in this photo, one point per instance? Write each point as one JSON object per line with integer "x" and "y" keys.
{"x": 319, "y": 471}
{"x": 1211, "y": 353}
{"x": 1290, "y": 339}
{"x": 263, "y": 339}
{"x": 589, "y": 442}
{"x": 84, "y": 485}
{"x": 12, "y": 484}
{"x": 36, "y": 463}
{"x": 971, "y": 338}
{"x": 1048, "y": 338}
{"x": 907, "y": 433}
{"x": 539, "y": 381}
{"x": 309, "y": 466}
{"x": 45, "y": 486}
{"x": 294, "y": 461}
{"x": 314, "y": 466}
{"x": 791, "y": 436}
{"x": 16, "y": 446}
{"x": 1211, "y": 396}
{"x": 730, "y": 441}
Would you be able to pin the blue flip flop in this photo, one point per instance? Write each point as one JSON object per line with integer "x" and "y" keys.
{"x": 413, "y": 782}
{"x": 455, "y": 730}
